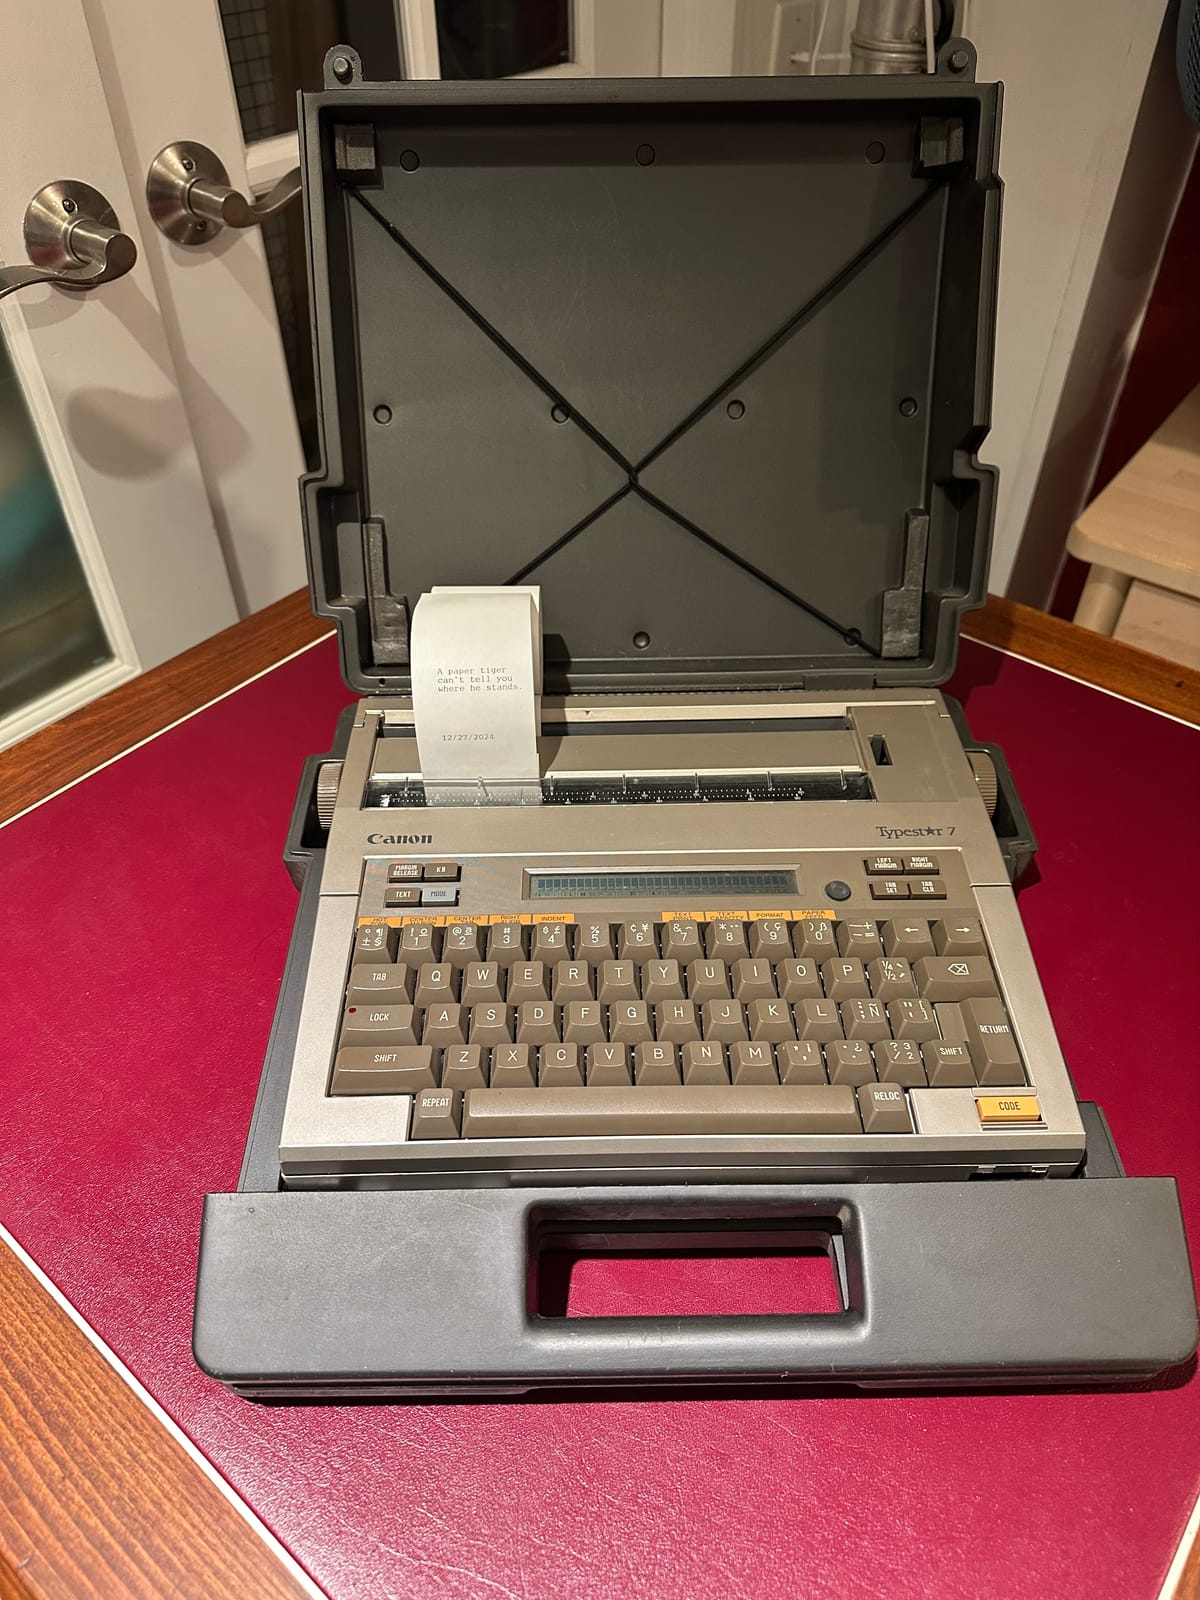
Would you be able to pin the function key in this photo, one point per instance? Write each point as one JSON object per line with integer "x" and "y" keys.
{"x": 927, "y": 888}
{"x": 549, "y": 942}
{"x": 442, "y": 872}
{"x": 681, "y": 939}
{"x": 402, "y": 895}
{"x": 921, "y": 863}
{"x": 814, "y": 939}
{"x": 771, "y": 938}
{"x": 439, "y": 894}
{"x": 386, "y": 984}
{"x": 403, "y": 871}
{"x": 726, "y": 939}
{"x": 506, "y": 943}
{"x": 883, "y": 866}
{"x": 889, "y": 889}
{"x": 884, "y": 1108}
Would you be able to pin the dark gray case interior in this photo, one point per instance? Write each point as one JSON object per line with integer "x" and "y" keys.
{"x": 708, "y": 360}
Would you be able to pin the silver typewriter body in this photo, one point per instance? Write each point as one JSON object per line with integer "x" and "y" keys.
{"x": 900, "y": 748}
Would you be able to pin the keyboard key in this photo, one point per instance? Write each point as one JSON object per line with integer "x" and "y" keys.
{"x": 482, "y": 984}
{"x": 704, "y": 1063}
{"x": 819, "y": 1020}
{"x": 927, "y": 888}
{"x": 865, "y": 1019}
{"x": 381, "y": 985}
{"x": 959, "y": 936}
{"x": 400, "y": 1070}
{"x": 849, "y": 1061}
{"x": 636, "y": 941}
{"x": 583, "y": 1022}
{"x": 662, "y": 980}
{"x": 884, "y": 1108}
{"x": 445, "y": 1026}
{"x": 420, "y": 942}
{"x": 752, "y": 1063}
{"x": 404, "y": 871}
{"x": 899, "y": 1061}
{"x": 527, "y": 981}
{"x": 859, "y": 939}
{"x": 708, "y": 980}
{"x": 375, "y": 943}
{"x": 462, "y": 943}
{"x": 799, "y": 980}
{"x": 954, "y": 977}
{"x": 594, "y": 942}
{"x": 726, "y": 940}
{"x": 549, "y": 942}
{"x": 655, "y": 1064}
{"x": 436, "y": 1114}
{"x": 560, "y": 1067}
{"x": 491, "y": 1024}
{"x": 910, "y": 939}
{"x": 442, "y": 872}
{"x": 572, "y": 981}
{"x": 921, "y": 863}
{"x": 770, "y": 1020}
{"x": 888, "y": 888}
{"x": 738, "y": 1109}
{"x": 464, "y": 1066}
{"x": 884, "y": 866}
{"x": 891, "y": 978}
{"x": 800, "y": 1061}
{"x": 512, "y": 1066}
{"x": 951, "y": 1023}
{"x": 752, "y": 980}
{"x": 616, "y": 980}
{"x": 813, "y": 939}
{"x": 947, "y": 1066}
{"x": 1008, "y": 1108}
{"x": 912, "y": 1019}
{"x": 994, "y": 1053}
{"x": 506, "y": 943}
{"x": 629, "y": 1022}
{"x": 723, "y": 1020}
{"x": 676, "y": 1021}
{"x": 608, "y": 1066}
{"x": 681, "y": 940}
{"x": 401, "y": 895}
{"x": 845, "y": 979}
{"x": 770, "y": 939}
{"x": 436, "y": 983}
{"x": 378, "y": 1025}
{"x": 537, "y": 1023}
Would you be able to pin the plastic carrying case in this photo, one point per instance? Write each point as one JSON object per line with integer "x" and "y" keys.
{"x": 709, "y": 361}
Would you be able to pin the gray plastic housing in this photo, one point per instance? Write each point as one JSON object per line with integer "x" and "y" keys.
{"x": 708, "y": 360}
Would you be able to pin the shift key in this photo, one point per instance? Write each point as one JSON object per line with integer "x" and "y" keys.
{"x": 994, "y": 1053}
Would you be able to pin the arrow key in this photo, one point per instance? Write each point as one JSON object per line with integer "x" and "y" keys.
{"x": 959, "y": 936}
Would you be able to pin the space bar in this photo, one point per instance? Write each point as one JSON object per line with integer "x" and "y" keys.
{"x": 600, "y": 1113}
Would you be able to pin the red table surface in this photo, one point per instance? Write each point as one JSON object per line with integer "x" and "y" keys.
{"x": 147, "y": 915}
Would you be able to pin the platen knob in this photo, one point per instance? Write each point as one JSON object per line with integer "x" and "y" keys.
{"x": 984, "y": 769}
{"x": 329, "y": 775}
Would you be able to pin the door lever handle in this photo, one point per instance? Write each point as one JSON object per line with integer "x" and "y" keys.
{"x": 73, "y": 239}
{"x": 190, "y": 200}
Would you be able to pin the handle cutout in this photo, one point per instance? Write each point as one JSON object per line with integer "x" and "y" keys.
{"x": 632, "y": 1272}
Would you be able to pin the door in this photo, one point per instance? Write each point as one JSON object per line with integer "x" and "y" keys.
{"x": 109, "y": 557}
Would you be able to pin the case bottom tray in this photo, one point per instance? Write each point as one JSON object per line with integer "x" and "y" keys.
{"x": 433, "y": 1291}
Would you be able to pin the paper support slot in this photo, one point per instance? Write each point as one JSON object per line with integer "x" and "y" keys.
{"x": 476, "y": 688}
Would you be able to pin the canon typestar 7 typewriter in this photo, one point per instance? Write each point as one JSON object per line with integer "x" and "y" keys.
{"x": 708, "y": 363}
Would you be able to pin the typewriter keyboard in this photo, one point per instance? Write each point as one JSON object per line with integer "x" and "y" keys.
{"x": 735, "y": 1024}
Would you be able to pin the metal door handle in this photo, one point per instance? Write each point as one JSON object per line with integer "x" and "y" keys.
{"x": 73, "y": 238}
{"x": 188, "y": 193}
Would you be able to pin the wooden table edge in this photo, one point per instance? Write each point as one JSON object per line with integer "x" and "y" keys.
{"x": 47, "y": 761}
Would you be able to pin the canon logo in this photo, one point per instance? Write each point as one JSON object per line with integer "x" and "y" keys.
{"x": 399, "y": 838}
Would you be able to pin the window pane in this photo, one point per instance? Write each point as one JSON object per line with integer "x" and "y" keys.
{"x": 50, "y": 630}
{"x": 498, "y": 38}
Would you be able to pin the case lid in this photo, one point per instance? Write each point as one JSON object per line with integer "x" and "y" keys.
{"x": 708, "y": 360}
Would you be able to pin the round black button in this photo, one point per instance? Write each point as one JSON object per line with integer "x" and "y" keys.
{"x": 837, "y": 890}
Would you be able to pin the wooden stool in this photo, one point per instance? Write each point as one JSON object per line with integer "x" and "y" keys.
{"x": 1144, "y": 529}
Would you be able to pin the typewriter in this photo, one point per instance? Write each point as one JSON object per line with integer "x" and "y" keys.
{"x": 707, "y": 362}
